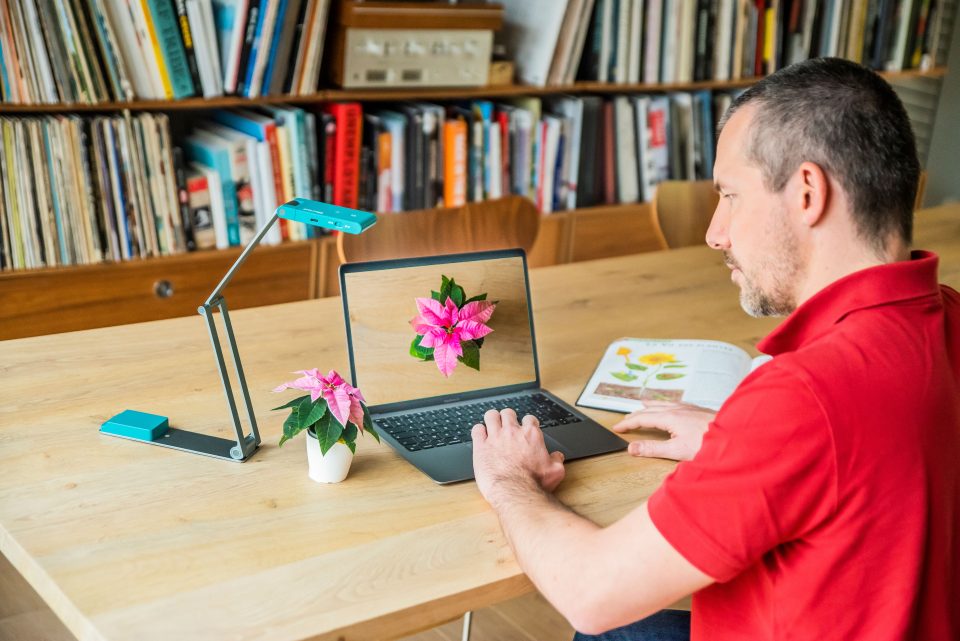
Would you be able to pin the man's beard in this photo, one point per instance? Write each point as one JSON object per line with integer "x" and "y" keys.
{"x": 783, "y": 270}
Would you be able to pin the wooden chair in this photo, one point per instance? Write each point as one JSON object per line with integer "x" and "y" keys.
{"x": 684, "y": 208}
{"x": 493, "y": 224}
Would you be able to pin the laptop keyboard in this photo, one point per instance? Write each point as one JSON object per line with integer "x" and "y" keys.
{"x": 451, "y": 425}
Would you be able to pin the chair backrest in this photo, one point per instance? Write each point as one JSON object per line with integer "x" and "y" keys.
{"x": 684, "y": 209}
{"x": 491, "y": 224}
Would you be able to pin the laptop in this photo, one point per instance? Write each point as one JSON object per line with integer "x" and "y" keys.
{"x": 435, "y": 342}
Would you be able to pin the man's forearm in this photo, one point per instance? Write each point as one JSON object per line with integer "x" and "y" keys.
{"x": 554, "y": 546}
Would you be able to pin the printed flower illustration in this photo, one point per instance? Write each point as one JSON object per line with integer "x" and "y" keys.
{"x": 343, "y": 399}
{"x": 451, "y": 328}
{"x": 657, "y": 358}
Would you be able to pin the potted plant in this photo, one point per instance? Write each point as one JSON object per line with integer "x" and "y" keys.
{"x": 333, "y": 413}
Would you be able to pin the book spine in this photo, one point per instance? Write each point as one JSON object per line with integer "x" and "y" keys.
{"x": 167, "y": 38}
{"x": 249, "y": 35}
{"x": 347, "y": 154}
{"x": 455, "y": 163}
{"x": 188, "y": 42}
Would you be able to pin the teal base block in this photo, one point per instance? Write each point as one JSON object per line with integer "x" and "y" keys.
{"x": 136, "y": 425}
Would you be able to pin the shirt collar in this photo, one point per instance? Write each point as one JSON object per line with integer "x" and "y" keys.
{"x": 871, "y": 287}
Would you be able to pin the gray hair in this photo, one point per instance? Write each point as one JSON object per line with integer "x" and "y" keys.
{"x": 846, "y": 119}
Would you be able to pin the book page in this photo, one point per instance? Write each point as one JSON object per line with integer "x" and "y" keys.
{"x": 632, "y": 370}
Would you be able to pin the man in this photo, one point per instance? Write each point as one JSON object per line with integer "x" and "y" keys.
{"x": 823, "y": 500}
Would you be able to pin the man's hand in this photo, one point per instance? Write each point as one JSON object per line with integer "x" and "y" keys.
{"x": 685, "y": 423}
{"x": 508, "y": 455}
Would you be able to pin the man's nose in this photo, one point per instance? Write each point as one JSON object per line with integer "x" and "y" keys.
{"x": 717, "y": 237}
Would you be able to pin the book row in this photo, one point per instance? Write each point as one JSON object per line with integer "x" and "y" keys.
{"x": 116, "y": 188}
{"x": 91, "y": 51}
{"x": 668, "y": 41}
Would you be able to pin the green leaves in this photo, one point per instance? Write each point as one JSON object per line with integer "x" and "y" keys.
{"x": 475, "y": 299}
{"x": 423, "y": 353}
{"x": 450, "y": 289}
{"x": 669, "y": 376}
{"x": 328, "y": 432}
{"x": 294, "y": 403}
{"x": 310, "y": 412}
{"x": 642, "y": 368}
{"x": 471, "y": 354}
{"x": 291, "y": 426}
{"x": 626, "y": 377}
{"x": 368, "y": 425}
{"x": 349, "y": 437}
{"x": 673, "y": 366}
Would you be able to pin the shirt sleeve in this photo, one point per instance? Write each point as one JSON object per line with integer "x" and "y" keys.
{"x": 765, "y": 475}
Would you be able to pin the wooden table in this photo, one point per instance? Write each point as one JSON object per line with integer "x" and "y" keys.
{"x": 127, "y": 541}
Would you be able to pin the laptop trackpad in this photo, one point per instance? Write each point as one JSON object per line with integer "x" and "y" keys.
{"x": 553, "y": 445}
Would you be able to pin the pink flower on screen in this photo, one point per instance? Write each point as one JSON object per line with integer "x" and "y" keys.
{"x": 343, "y": 399}
{"x": 444, "y": 328}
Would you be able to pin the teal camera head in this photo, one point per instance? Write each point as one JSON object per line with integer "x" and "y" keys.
{"x": 318, "y": 214}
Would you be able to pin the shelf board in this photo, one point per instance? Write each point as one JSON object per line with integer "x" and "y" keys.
{"x": 380, "y": 95}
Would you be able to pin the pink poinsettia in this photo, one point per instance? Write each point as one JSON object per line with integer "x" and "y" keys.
{"x": 343, "y": 399}
{"x": 445, "y": 327}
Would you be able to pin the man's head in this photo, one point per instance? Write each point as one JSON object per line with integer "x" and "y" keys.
{"x": 816, "y": 156}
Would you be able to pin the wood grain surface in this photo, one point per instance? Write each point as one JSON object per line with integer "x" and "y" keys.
{"x": 129, "y": 541}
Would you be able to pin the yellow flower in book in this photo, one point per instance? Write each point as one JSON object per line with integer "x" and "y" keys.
{"x": 657, "y": 358}
{"x": 623, "y": 351}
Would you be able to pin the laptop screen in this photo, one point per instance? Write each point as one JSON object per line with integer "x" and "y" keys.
{"x": 422, "y": 328}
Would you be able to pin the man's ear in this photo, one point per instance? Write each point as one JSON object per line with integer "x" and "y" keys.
{"x": 812, "y": 193}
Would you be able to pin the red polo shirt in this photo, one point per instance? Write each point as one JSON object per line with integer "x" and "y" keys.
{"x": 825, "y": 500}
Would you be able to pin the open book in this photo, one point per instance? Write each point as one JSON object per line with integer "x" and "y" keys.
{"x": 634, "y": 370}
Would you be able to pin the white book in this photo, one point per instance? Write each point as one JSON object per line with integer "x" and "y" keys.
{"x": 299, "y": 56}
{"x": 144, "y": 84}
{"x": 204, "y": 50}
{"x": 833, "y": 36}
{"x": 494, "y": 162}
{"x": 698, "y": 372}
{"x": 263, "y": 48}
{"x": 904, "y": 24}
{"x": 264, "y": 191}
{"x": 47, "y": 84}
{"x": 641, "y": 109}
{"x": 571, "y": 108}
{"x": 723, "y": 45}
{"x": 580, "y": 39}
{"x": 530, "y": 32}
{"x": 625, "y": 126}
{"x": 565, "y": 41}
{"x": 658, "y": 140}
{"x": 153, "y": 62}
{"x": 395, "y": 124}
{"x": 623, "y": 37}
{"x": 635, "y": 42}
{"x": 314, "y": 53}
{"x": 210, "y": 36}
{"x": 231, "y": 15}
{"x": 670, "y": 40}
{"x": 217, "y": 211}
{"x": 607, "y": 34}
{"x": 654, "y": 30}
{"x": 686, "y": 42}
{"x": 550, "y": 140}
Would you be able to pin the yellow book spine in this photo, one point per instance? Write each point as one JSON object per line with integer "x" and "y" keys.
{"x": 769, "y": 39}
{"x": 158, "y": 54}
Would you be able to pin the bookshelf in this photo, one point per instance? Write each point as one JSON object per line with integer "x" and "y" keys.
{"x": 63, "y": 298}
{"x": 391, "y": 95}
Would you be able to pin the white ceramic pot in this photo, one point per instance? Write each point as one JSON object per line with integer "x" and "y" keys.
{"x": 331, "y": 467}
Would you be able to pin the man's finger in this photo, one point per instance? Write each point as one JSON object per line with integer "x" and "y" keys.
{"x": 530, "y": 421}
{"x": 658, "y": 420}
{"x": 492, "y": 420}
{"x": 478, "y": 433}
{"x": 656, "y": 449}
{"x": 557, "y": 456}
{"x": 508, "y": 416}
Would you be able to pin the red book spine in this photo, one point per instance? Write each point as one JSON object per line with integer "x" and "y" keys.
{"x": 346, "y": 170}
{"x": 758, "y": 67}
{"x": 270, "y": 134}
{"x": 506, "y": 184}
